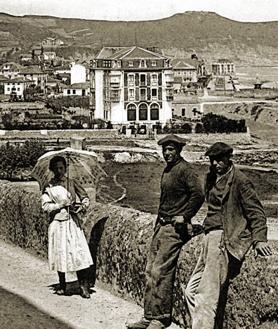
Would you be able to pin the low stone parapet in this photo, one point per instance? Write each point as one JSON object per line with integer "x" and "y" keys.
{"x": 119, "y": 240}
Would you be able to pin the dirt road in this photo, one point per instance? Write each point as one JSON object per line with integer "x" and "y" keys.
{"x": 27, "y": 300}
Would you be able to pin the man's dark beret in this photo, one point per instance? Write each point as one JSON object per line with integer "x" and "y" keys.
{"x": 218, "y": 149}
{"x": 172, "y": 139}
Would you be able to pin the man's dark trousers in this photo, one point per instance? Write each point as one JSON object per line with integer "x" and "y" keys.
{"x": 161, "y": 270}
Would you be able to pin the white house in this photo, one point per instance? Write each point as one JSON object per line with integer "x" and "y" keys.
{"x": 15, "y": 87}
{"x": 49, "y": 55}
{"x": 77, "y": 73}
{"x": 77, "y": 89}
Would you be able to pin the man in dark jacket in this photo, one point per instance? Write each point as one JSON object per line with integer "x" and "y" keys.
{"x": 235, "y": 221}
{"x": 181, "y": 198}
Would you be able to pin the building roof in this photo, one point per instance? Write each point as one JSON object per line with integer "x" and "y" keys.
{"x": 13, "y": 65}
{"x": 179, "y": 64}
{"x": 31, "y": 70}
{"x": 26, "y": 55}
{"x": 223, "y": 60}
{"x": 119, "y": 53}
{"x": 49, "y": 52}
{"x": 106, "y": 52}
{"x": 16, "y": 80}
{"x": 194, "y": 63}
{"x": 81, "y": 85}
{"x": 53, "y": 80}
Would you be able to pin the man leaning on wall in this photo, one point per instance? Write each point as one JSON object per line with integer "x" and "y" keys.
{"x": 235, "y": 221}
{"x": 181, "y": 197}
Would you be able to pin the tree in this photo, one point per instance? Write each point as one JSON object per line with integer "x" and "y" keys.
{"x": 7, "y": 119}
{"x": 14, "y": 158}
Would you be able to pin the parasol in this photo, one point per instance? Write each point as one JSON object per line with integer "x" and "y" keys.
{"x": 82, "y": 165}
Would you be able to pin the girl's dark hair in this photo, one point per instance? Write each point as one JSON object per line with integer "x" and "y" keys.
{"x": 56, "y": 159}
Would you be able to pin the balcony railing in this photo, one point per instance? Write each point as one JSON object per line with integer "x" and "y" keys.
{"x": 115, "y": 98}
{"x": 114, "y": 85}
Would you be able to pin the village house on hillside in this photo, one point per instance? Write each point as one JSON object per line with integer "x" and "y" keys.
{"x": 14, "y": 88}
{"x": 77, "y": 89}
{"x": 187, "y": 72}
{"x": 35, "y": 74}
{"x": 10, "y": 70}
{"x": 189, "y": 75}
{"x": 224, "y": 76}
{"x": 132, "y": 85}
{"x": 51, "y": 42}
{"x": 187, "y": 107}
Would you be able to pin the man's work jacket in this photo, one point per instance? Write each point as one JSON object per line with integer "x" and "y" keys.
{"x": 244, "y": 220}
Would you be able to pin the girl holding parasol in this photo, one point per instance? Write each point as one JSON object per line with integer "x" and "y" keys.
{"x": 68, "y": 250}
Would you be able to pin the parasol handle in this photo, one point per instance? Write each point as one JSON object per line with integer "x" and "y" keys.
{"x": 68, "y": 159}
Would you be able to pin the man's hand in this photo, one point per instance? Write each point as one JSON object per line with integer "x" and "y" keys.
{"x": 178, "y": 222}
{"x": 262, "y": 249}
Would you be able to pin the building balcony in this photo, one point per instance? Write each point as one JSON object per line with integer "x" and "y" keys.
{"x": 115, "y": 99}
{"x": 114, "y": 85}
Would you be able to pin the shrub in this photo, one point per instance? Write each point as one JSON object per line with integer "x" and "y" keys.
{"x": 199, "y": 128}
{"x": 65, "y": 102}
{"x": 214, "y": 123}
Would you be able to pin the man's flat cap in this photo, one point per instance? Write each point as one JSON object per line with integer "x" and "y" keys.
{"x": 218, "y": 149}
{"x": 172, "y": 139}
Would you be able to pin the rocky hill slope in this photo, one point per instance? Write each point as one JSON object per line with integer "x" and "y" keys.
{"x": 206, "y": 33}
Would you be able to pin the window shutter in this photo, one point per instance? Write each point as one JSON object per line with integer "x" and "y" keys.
{"x": 148, "y": 94}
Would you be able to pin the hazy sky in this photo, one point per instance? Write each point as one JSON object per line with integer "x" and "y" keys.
{"x": 242, "y": 10}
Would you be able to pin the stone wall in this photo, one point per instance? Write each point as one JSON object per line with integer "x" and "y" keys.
{"x": 119, "y": 239}
{"x": 62, "y": 134}
{"x": 233, "y": 138}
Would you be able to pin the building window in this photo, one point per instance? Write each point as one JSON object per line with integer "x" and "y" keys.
{"x": 143, "y": 94}
{"x": 154, "y": 93}
{"x": 143, "y": 63}
{"x": 143, "y": 79}
{"x": 143, "y": 112}
{"x": 18, "y": 89}
{"x": 130, "y": 79}
{"x": 73, "y": 91}
{"x": 131, "y": 112}
{"x": 154, "y": 112}
{"x": 183, "y": 112}
{"x": 131, "y": 94}
{"x": 115, "y": 96}
{"x": 68, "y": 91}
{"x": 153, "y": 63}
{"x": 130, "y": 63}
{"x": 8, "y": 89}
{"x": 154, "y": 79}
{"x": 106, "y": 63}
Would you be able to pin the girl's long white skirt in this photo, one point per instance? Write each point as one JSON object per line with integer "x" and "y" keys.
{"x": 68, "y": 250}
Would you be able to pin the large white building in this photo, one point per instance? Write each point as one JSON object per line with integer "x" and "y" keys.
{"x": 78, "y": 73}
{"x": 132, "y": 85}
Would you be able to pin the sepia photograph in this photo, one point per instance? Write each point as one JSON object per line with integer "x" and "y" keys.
{"x": 139, "y": 164}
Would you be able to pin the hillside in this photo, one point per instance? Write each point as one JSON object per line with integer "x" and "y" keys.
{"x": 206, "y": 33}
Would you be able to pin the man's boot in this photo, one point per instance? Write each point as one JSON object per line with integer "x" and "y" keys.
{"x": 62, "y": 284}
{"x": 83, "y": 283}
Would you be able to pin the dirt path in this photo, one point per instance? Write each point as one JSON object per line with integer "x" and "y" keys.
{"x": 27, "y": 300}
